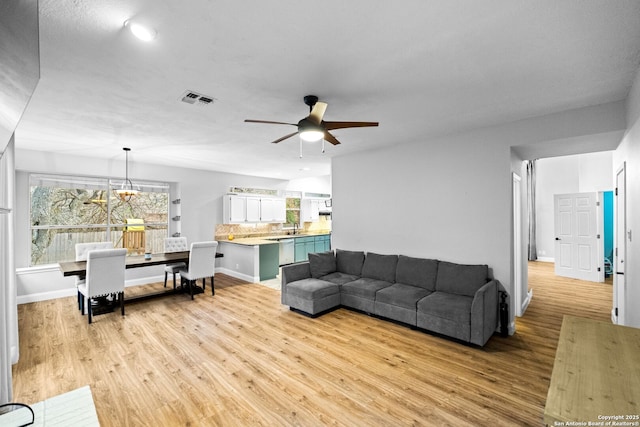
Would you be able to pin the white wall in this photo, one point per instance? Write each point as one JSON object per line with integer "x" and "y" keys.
{"x": 563, "y": 175}
{"x": 629, "y": 152}
{"x": 450, "y": 197}
{"x": 200, "y": 209}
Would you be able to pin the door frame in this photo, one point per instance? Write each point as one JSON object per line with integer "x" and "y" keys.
{"x": 517, "y": 243}
{"x": 620, "y": 246}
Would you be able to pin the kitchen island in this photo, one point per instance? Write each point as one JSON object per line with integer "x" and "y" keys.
{"x": 258, "y": 258}
{"x": 250, "y": 259}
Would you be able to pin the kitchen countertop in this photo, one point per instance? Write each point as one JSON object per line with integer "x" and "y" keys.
{"x": 269, "y": 240}
{"x": 250, "y": 241}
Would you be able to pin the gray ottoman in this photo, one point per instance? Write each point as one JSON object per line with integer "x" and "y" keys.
{"x": 312, "y": 296}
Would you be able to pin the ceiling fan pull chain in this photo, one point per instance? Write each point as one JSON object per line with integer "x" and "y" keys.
{"x": 300, "y": 147}
{"x": 322, "y": 145}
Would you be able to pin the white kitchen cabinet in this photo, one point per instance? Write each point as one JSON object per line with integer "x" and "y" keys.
{"x": 273, "y": 209}
{"x": 235, "y": 209}
{"x": 253, "y": 209}
{"x": 280, "y": 210}
{"x": 240, "y": 209}
{"x": 266, "y": 210}
{"x": 310, "y": 210}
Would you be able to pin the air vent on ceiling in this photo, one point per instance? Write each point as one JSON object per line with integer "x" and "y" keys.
{"x": 191, "y": 97}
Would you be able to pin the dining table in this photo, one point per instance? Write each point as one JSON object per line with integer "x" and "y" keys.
{"x": 79, "y": 268}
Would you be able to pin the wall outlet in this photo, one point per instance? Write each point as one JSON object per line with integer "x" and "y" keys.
{"x": 237, "y": 266}
{"x": 542, "y": 252}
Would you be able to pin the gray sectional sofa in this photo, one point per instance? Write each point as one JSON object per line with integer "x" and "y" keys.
{"x": 459, "y": 301}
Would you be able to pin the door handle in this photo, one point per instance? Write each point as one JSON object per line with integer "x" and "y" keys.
{"x": 557, "y": 238}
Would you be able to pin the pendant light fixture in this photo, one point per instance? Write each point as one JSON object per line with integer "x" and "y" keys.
{"x": 126, "y": 190}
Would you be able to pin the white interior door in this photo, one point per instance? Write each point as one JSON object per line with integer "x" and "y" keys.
{"x": 578, "y": 228}
{"x": 620, "y": 244}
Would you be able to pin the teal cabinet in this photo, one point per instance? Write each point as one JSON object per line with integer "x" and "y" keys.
{"x": 302, "y": 246}
{"x": 306, "y": 245}
{"x": 322, "y": 243}
{"x": 269, "y": 255}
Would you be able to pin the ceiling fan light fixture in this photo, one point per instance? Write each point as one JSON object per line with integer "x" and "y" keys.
{"x": 142, "y": 32}
{"x": 311, "y": 135}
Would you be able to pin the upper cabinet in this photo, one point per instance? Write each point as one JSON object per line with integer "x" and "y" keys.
{"x": 240, "y": 209}
{"x": 273, "y": 209}
{"x": 253, "y": 209}
{"x": 310, "y": 210}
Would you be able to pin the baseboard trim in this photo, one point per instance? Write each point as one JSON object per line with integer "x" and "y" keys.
{"x": 546, "y": 259}
{"x": 525, "y": 303}
{"x": 238, "y": 275}
{"x": 45, "y": 296}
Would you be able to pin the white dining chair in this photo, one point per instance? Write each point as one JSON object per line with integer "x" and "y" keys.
{"x": 202, "y": 264}
{"x": 174, "y": 244}
{"x": 81, "y": 255}
{"x": 105, "y": 277}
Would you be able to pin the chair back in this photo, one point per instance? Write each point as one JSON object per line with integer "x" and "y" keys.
{"x": 202, "y": 259}
{"x": 175, "y": 244}
{"x": 105, "y": 271}
{"x": 83, "y": 248}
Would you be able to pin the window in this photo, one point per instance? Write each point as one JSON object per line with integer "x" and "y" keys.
{"x": 293, "y": 211}
{"x": 293, "y": 208}
{"x": 66, "y": 210}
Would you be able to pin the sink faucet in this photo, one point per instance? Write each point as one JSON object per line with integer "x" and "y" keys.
{"x": 295, "y": 228}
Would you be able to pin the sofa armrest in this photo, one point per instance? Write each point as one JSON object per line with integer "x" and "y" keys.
{"x": 484, "y": 313}
{"x": 292, "y": 273}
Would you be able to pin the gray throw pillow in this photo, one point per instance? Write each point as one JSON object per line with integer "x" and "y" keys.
{"x": 321, "y": 264}
{"x": 349, "y": 262}
{"x": 380, "y": 267}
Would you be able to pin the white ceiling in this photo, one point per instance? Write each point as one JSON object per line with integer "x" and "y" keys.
{"x": 420, "y": 68}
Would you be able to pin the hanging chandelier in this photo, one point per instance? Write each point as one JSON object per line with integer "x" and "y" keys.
{"x": 126, "y": 190}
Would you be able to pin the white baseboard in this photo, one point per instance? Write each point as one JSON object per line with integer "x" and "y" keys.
{"x": 526, "y": 302}
{"x": 238, "y": 275}
{"x": 546, "y": 259}
{"x": 45, "y": 296}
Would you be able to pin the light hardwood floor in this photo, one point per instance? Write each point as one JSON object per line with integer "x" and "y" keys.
{"x": 241, "y": 358}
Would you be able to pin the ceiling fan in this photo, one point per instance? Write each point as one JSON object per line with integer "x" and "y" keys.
{"x": 312, "y": 127}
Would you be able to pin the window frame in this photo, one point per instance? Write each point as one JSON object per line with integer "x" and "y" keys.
{"x": 106, "y": 184}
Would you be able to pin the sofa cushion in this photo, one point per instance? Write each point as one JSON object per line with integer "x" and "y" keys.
{"x": 402, "y": 295}
{"x": 417, "y": 272}
{"x": 456, "y": 308}
{"x": 312, "y": 288}
{"x": 349, "y": 262}
{"x": 339, "y": 278}
{"x": 364, "y": 288}
{"x": 461, "y": 279}
{"x": 380, "y": 267}
{"x": 321, "y": 264}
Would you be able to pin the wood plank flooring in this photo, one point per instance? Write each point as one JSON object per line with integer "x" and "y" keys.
{"x": 241, "y": 358}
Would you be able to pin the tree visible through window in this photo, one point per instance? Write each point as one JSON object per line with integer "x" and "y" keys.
{"x": 70, "y": 210}
{"x": 293, "y": 211}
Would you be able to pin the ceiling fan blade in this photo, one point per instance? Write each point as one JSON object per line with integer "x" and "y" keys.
{"x": 330, "y": 138}
{"x": 342, "y": 125}
{"x": 284, "y": 137}
{"x": 317, "y": 112}
{"x": 269, "y": 122}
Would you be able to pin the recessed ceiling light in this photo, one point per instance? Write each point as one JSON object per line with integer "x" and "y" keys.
{"x": 142, "y": 32}
{"x": 305, "y": 169}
